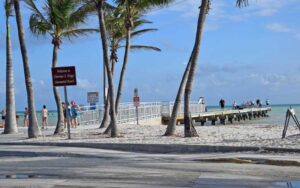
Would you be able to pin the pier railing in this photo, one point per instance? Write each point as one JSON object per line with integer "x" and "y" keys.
{"x": 127, "y": 111}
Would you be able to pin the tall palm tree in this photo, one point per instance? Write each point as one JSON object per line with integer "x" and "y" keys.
{"x": 33, "y": 129}
{"x": 187, "y": 80}
{"x": 116, "y": 36}
{"x": 99, "y": 4}
{"x": 133, "y": 9}
{"x": 61, "y": 19}
{"x": 10, "y": 118}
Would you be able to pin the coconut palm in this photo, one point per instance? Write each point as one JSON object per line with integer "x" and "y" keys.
{"x": 10, "y": 118}
{"x": 187, "y": 80}
{"x": 133, "y": 9}
{"x": 61, "y": 19}
{"x": 33, "y": 129}
{"x": 116, "y": 36}
{"x": 99, "y": 4}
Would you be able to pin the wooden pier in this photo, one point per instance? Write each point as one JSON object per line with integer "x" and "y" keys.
{"x": 226, "y": 116}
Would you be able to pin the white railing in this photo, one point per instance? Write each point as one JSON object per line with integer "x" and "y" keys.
{"x": 127, "y": 111}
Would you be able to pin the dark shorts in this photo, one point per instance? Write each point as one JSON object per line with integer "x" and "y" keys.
{"x": 3, "y": 117}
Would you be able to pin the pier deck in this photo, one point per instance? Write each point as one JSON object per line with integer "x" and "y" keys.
{"x": 223, "y": 116}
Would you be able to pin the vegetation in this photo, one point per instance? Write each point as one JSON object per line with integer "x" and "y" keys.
{"x": 118, "y": 24}
{"x": 61, "y": 20}
{"x": 10, "y": 119}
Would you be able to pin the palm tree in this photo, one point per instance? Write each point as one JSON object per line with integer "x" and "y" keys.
{"x": 116, "y": 36}
{"x": 133, "y": 9}
{"x": 61, "y": 19}
{"x": 99, "y": 4}
{"x": 10, "y": 118}
{"x": 33, "y": 129}
{"x": 187, "y": 80}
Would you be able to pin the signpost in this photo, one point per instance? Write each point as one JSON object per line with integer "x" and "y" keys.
{"x": 64, "y": 76}
{"x": 290, "y": 113}
{"x": 92, "y": 99}
{"x": 136, "y": 102}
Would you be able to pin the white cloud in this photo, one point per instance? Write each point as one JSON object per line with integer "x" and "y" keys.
{"x": 281, "y": 28}
{"x": 86, "y": 84}
{"x": 277, "y": 27}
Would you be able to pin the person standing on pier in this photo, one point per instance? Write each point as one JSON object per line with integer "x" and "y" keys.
{"x": 222, "y": 104}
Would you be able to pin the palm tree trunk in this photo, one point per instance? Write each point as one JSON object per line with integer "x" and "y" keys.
{"x": 10, "y": 118}
{"x": 114, "y": 131}
{"x": 33, "y": 129}
{"x": 124, "y": 66}
{"x": 189, "y": 129}
{"x": 106, "y": 119}
{"x": 60, "y": 115}
{"x": 171, "y": 128}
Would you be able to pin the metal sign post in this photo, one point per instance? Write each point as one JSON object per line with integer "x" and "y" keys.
{"x": 67, "y": 113}
{"x": 64, "y": 76}
{"x": 290, "y": 113}
{"x": 136, "y": 102}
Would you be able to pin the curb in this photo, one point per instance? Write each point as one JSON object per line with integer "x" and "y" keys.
{"x": 163, "y": 148}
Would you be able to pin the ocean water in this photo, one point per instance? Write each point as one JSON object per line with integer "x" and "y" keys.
{"x": 276, "y": 116}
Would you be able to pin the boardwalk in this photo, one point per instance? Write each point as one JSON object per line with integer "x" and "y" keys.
{"x": 223, "y": 116}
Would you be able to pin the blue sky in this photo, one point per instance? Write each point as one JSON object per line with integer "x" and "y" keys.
{"x": 245, "y": 54}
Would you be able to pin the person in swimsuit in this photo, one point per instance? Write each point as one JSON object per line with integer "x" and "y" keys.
{"x": 44, "y": 117}
{"x": 26, "y": 117}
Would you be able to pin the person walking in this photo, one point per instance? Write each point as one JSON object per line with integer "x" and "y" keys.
{"x": 26, "y": 117}
{"x": 44, "y": 117}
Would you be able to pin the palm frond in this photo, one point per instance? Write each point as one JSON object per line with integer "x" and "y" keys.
{"x": 143, "y": 47}
{"x": 77, "y": 32}
{"x": 242, "y": 3}
{"x": 142, "y": 31}
{"x": 38, "y": 25}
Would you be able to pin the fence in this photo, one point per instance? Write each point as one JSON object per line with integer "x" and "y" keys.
{"x": 127, "y": 111}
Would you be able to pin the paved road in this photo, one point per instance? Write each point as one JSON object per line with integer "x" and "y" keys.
{"x": 45, "y": 166}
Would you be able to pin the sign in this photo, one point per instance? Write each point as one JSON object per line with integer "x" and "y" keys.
{"x": 92, "y": 97}
{"x": 136, "y": 101}
{"x": 64, "y": 76}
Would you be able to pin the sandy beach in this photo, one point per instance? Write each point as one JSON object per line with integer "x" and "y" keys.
{"x": 258, "y": 135}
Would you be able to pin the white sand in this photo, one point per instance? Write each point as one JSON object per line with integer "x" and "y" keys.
{"x": 230, "y": 135}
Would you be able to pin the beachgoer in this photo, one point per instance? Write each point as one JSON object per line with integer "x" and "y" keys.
{"x": 74, "y": 113}
{"x": 267, "y": 102}
{"x": 44, "y": 117}
{"x": 234, "y": 106}
{"x": 222, "y": 103}
{"x": 3, "y": 114}
{"x": 26, "y": 117}
{"x": 67, "y": 109}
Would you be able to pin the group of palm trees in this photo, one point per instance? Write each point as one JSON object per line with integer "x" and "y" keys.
{"x": 118, "y": 23}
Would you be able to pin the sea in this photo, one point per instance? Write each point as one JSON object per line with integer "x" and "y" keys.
{"x": 276, "y": 116}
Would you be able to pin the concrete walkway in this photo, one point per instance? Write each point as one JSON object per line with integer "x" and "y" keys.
{"x": 49, "y": 166}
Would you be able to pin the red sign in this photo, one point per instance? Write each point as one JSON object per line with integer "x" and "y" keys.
{"x": 136, "y": 101}
{"x": 64, "y": 76}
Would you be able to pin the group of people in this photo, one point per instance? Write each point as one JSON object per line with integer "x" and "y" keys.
{"x": 44, "y": 117}
{"x": 72, "y": 111}
{"x": 248, "y": 104}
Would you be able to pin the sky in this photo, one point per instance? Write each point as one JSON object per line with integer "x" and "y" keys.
{"x": 245, "y": 54}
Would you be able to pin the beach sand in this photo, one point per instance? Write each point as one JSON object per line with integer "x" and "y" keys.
{"x": 259, "y": 135}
